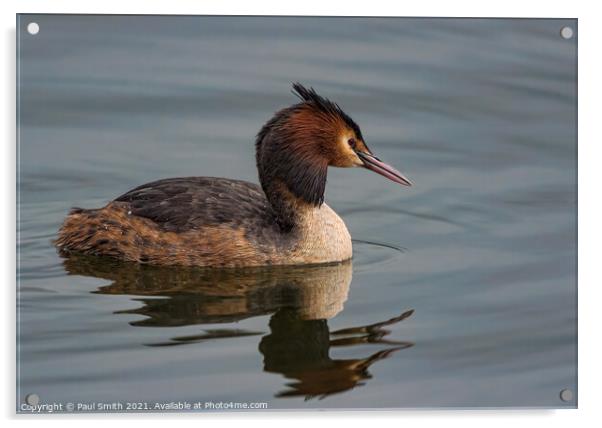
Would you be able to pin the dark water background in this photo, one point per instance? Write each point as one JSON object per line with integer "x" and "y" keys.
{"x": 480, "y": 114}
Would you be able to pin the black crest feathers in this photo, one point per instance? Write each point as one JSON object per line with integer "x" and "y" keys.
{"x": 324, "y": 104}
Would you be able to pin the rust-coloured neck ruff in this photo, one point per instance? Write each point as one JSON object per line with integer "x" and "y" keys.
{"x": 292, "y": 168}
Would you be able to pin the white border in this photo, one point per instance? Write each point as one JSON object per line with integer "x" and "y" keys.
{"x": 590, "y": 216}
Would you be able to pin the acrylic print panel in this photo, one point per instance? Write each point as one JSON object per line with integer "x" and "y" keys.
{"x": 462, "y": 288}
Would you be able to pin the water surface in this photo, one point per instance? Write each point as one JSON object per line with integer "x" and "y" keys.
{"x": 471, "y": 298}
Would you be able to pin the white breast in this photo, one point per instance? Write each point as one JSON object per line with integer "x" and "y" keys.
{"x": 323, "y": 237}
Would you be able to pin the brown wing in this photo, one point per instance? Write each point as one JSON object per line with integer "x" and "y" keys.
{"x": 182, "y": 204}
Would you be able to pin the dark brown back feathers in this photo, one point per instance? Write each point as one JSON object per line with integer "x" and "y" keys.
{"x": 182, "y": 204}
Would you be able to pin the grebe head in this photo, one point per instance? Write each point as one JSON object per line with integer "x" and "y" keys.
{"x": 296, "y": 146}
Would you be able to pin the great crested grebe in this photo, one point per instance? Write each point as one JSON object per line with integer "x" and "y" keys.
{"x": 219, "y": 222}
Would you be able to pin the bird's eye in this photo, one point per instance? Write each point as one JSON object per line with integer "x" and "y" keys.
{"x": 351, "y": 143}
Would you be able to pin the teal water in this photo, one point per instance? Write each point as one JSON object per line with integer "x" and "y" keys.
{"x": 462, "y": 290}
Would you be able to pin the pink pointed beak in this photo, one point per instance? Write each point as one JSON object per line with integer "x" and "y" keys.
{"x": 373, "y": 163}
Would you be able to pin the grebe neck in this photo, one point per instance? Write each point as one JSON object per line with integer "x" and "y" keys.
{"x": 289, "y": 209}
{"x": 292, "y": 177}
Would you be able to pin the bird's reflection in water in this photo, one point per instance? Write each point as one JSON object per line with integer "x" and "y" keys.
{"x": 300, "y": 350}
{"x": 300, "y": 299}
